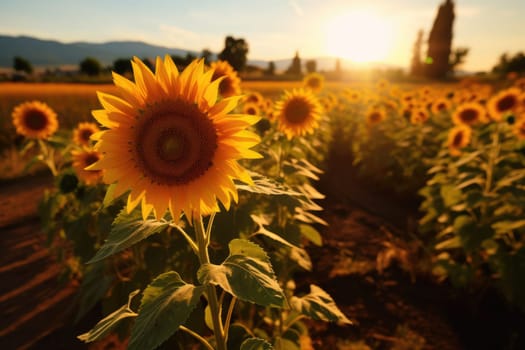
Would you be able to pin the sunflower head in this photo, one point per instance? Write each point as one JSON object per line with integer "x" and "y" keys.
{"x": 418, "y": 116}
{"x": 171, "y": 142}
{"x": 313, "y": 81}
{"x": 504, "y": 102}
{"x": 251, "y": 108}
{"x": 82, "y": 133}
{"x": 230, "y": 84}
{"x": 440, "y": 105}
{"x": 35, "y": 120}
{"x": 254, "y": 97}
{"x": 298, "y": 112}
{"x": 375, "y": 115}
{"x": 82, "y": 159}
{"x": 469, "y": 113}
{"x": 458, "y": 137}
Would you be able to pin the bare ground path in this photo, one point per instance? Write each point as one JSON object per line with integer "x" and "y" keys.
{"x": 33, "y": 303}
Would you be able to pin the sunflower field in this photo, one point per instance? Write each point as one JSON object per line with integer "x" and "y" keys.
{"x": 185, "y": 202}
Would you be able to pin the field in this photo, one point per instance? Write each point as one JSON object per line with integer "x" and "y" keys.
{"x": 412, "y": 233}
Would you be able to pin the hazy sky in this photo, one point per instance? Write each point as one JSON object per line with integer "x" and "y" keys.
{"x": 275, "y": 29}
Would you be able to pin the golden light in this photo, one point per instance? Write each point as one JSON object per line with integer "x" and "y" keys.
{"x": 360, "y": 36}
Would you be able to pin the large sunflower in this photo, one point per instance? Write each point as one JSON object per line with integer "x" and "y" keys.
{"x": 230, "y": 85}
{"x": 83, "y": 132}
{"x": 298, "y": 112}
{"x": 81, "y": 160}
{"x": 171, "y": 142}
{"x": 35, "y": 120}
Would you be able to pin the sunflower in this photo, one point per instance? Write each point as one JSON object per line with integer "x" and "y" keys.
{"x": 230, "y": 85}
{"x": 255, "y": 97}
{"x": 298, "y": 112}
{"x": 458, "y": 137}
{"x": 504, "y": 102}
{"x": 314, "y": 81}
{"x": 251, "y": 108}
{"x": 81, "y": 160}
{"x": 83, "y": 132}
{"x": 375, "y": 115}
{"x": 440, "y": 105}
{"x": 418, "y": 116}
{"x": 35, "y": 120}
{"x": 171, "y": 142}
{"x": 469, "y": 113}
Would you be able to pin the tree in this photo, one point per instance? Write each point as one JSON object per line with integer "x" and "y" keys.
{"x": 90, "y": 66}
{"x": 122, "y": 66}
{"x": 508, "y": 64}
{"x": 440, "y": 42}
{"x": 311, "y": 66}
{"x": 22, "y": 65}
{"x": 457, "y": 58}
{"x": 295, "y": 66}
{"x": 206, "y": 54}
{"x": 235, "y": 53}
{"x": 416, "y": 68}
{"x": 271, "y": 69}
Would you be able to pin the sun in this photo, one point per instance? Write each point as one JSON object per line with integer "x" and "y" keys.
{"x": 360, "y": 36}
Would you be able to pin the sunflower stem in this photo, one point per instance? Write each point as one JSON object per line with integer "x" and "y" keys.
{"x": 215, "y": 307}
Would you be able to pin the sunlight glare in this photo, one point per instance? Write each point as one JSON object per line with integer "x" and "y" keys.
{"x": 359, "y": 36}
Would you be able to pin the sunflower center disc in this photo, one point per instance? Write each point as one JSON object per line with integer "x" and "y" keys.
{"x": 469, "y": 115}
{"x": 175, "y": 144}
{"x": 297, "y": 111}
{"x": 85, "y": 135}
{"x": 35, "y": 120}
{"x": 506, "y": 103}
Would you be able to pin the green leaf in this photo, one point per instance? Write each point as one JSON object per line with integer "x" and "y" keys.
{"x": 246, "y": 273}
{"x": 264, "y": 185}
{"x": 318, "y": 305}
{"x": 451, "y": 243}
{"x": 127, "y": 230}
{"x": 311, "y": 234}
{"x": 301, "y": 257}
{"x": 451, "y": 195}
{"x": 95, "y": 284}
{"x": 261, "y": 221}
{"x": 105, "y": 325}
{"x": 507, "y": 226}
{"x": 256, "y": 344}
{"x": 470, "y": 233}
{"x": 166, "y": 304}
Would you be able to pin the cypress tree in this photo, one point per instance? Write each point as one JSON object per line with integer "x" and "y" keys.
{"x": 440, "y": 42}
{"x": 415, "y": 64}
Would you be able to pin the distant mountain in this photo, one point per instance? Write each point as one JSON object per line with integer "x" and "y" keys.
{"x": 54, "y": 53}
{"x": 51, "y": 53}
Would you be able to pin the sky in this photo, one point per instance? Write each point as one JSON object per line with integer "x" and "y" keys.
{"x": 361, "y": 30}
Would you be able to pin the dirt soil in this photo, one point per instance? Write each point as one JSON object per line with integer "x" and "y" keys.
{"x": 370, "y": 263}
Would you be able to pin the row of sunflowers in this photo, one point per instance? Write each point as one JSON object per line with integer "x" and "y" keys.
{"x": 184, "y": 195}
{"x": 460, "y": 149}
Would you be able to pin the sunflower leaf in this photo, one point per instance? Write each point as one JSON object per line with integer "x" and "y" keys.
{"x": 247, "y": 274}
{"x": 265, "y": 185}
{"x": 127, "y": 230}
{"x": 166, "y": 304}
{"x": 318, "y": 305}
{"x": 256, "y": 344}
{"x": 109, "y": 322}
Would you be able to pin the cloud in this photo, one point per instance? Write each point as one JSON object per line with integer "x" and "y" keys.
{"x": 297, "y": 8}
